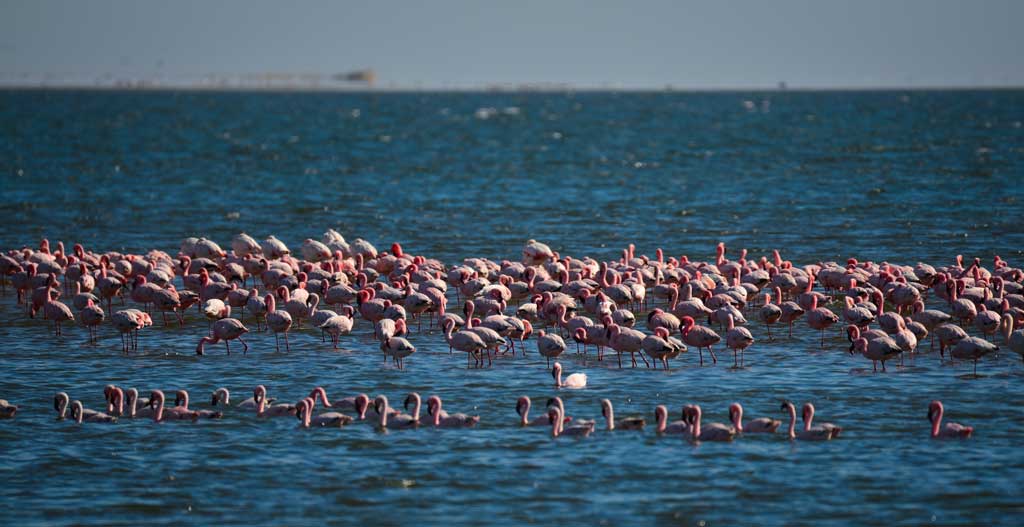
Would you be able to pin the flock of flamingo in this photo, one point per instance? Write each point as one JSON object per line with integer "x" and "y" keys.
{"x": 332, "y": 283}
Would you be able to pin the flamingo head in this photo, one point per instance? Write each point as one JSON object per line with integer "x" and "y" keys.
{"x": 522, "y": 404}
{"x": 735, "y": 412}
{"x": 556, "y": 372}
{"x": 580, "y": 335}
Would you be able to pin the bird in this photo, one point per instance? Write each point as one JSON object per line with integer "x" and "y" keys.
{"x": 174, "y": 413}
{"x": 737, "y": 338}
{"x": 574, "y": 381}
{"x": 226, "y": 329}
{"x": 304, "y": 412}
{"x": 439, "y": 419}
{"x": 878, "y": 349}
{"x": 549, "y": 346}
{"x": 770, "y": 314}
{"x": 1013, "y": 339}
{"x": 523, "y": 409}
{"x": 761, "y": 425}
{"x": 264, "y": 409}
{"x": 814, "y": 434}
{"x": 951, "y": 430}
{"x": 92, "y": 316}
{"x": 709, "y": 431}
{"x": 628, "y": 423}
{"x": 807, "y": 414}
{"x": 337, "y": 326}
{"x": 555, "y": 415}
{"x": 700, "y": 337}
{"x": 820, "y": 318}
{"x": 7, "y": 410}
{"x": 279, "y": 321}
{"x": 398, "y": 348}
{"x": 465, "y": 341}
{"x": 681, "y": 427}
{"x": 625, "y": 340}
{"x": 972, "y": 349}
{"x": 79, "y": 416}
{"x": 181, "y": 400}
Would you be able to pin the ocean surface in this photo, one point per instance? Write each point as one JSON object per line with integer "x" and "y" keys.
{"x": 895, "y": 176}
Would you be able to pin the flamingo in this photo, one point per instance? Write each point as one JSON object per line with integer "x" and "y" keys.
{"x": 807, "y": 414}
{"x": 629, "y": 423}
{"x": 304, "y": 412}
{"x": 223, "y": 396}
{"x": 78, "y": 415}
{"x": 681, "y": 427}
{"x": 440, "y": 419}
{"x": 555, "y": 415}
{"x": 181, "y": 401}
{"x": 658, "y": 347}
{"x": 174, "y": 413}
{"x": 813, "y": 434}
{"x": 126, "y": 321}
{"x": 263, "y": 409}
{"x": 1013, "y": 339}
{"x": 973, "y": 348}
{"x": 575, "y": 381}
{"x": 357, "y": 403}
{"x": 398, "y": 348}
{"x": 7, "y": 410}
{"x": 700, "y": 337}
{"x": 625, "y": 340}
{"x": 820, "y": 318}
{"x": 709, "y": 431}
{"x": 92, "y": 317}
{"x": 465, "y": 341}
{"x": 737, "y": 338}
{"x": 339, "y": 325}
{"x": 770, "y": 314}
{"x": 523, "y": 409}
{"x": 877, "y": 349}
{"x": 761, "y": 425}
{"x": 58, "y": 312}
{"x": 549, "y": 346}
{"x": 226, "y": 329}
{"x": 791, "y": 311}
{"x": 951, "y": 430}
{"x": 279, "y": 321}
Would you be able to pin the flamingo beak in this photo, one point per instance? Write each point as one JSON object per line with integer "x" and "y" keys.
{"x": 405, "y": 404}
{"x": 213, "y": 400}
{"x": 931, "y": 415}
{"x": 56, "y": 404}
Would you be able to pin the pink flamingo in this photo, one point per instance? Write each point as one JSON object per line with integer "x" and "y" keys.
{"x": 807, "y": 414}
{"x": 181, "y": 401}
{"x": 465, "y": 341}
{"x": 58, "y": 312}
{"x": 700, "y": 337}
{"x": 523, "y": 409}
{"x": 443, "y": 420}
{"x": 549, "y": 346}
{"x": 279, "y": 321}
{"x": 265, "y": 410}
{"x": 972, "y": 349}
{"x": 761, "y": 425}
{"x": 555, "y": 415}
{"x": 681, "y": 427}
{"x": 709, "y": 431}
{"x": 628, "y": 423}
{"x": 226, "y": 329}
{"x": 813, "y": 434}
{"x": 770, "y": 314}
{"x": 737, "y": 338}
{"x": 304, "y": 412}
{"x": 174, "y": 413}
{"x": 820, "y": 318}
{"x": 357, "y": 403}
{"x": 625, "y": 340}
{"x": 575, "y": 381}
{"x": 791, "y": 311}
{"x": 951, "y": 430}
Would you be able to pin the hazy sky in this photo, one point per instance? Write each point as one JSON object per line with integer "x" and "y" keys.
{"x": 464, "y": 42}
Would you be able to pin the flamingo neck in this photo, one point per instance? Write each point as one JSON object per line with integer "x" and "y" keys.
{"x": 792, "y": 422}
{"x": 937, "y": 423}
{"x": 611, "y": 418}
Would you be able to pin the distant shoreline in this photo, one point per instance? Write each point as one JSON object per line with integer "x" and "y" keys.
{"x": 492, "y": 89}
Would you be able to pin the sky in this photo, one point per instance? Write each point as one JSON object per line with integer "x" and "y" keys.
{"x": 466, "y": 43}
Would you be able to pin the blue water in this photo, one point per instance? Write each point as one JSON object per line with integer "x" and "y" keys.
{"x": 897, "y": 176}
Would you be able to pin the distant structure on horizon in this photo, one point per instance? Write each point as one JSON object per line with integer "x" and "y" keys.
{"x": 367, "y": 76}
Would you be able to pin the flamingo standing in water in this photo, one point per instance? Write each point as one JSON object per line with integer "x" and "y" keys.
{"x": 465, "y": 341}
{"x": 279, "y": 321}
{"x": 973, "y": 348}
{"x": 700, "y": 337}
{"x": 770, "y": 314}
{"x": 737, "y": 338}
{"x": 226, "y": 329}
{"x": 549, "y": 346}
{"x": 92, "y": 317}
{"x": 820, "y": 318}
{"x": 951, "y": 430}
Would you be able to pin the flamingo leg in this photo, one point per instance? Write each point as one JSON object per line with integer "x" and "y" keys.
{"x": 227, "y": 345}
{"x": 714, "y": 359}
{"x": 643, "y": 359}
{"x": 245, "y": 348}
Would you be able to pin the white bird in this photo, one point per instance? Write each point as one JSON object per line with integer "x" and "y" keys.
{"x": 574, "y": 381}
